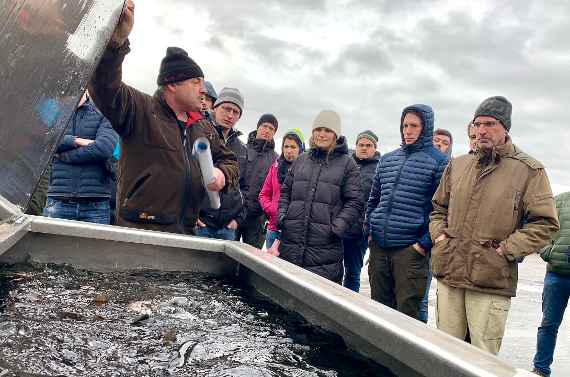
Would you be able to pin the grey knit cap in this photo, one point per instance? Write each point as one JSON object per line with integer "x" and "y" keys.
{"x": 231, "y": 95}
{"x": 497, "y": 107}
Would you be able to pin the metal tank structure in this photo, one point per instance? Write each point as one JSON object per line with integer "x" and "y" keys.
{"x": 36, "y": 103}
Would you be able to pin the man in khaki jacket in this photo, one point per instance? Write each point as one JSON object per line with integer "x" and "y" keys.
{"x": 491, "y": 209}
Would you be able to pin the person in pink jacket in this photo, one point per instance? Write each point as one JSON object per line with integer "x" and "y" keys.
{"x": 293, "y": 145}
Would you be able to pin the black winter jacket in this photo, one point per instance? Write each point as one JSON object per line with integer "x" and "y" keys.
{"x": 80, "y": 172}
{"x": 320, "y": 199}
{"x": 260, "y": 156}
{"x": 367, "y": 169}
{"x": 231, "y": 200}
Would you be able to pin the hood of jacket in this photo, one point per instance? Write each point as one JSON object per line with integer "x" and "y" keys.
{"x": 426, "y": 137}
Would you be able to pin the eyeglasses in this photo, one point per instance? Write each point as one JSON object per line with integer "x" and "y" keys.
{"x": 492, "y": 123}
{"x": 230, "y": 110}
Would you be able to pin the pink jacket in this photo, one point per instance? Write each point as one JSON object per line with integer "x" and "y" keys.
{"x": 269, "y": 196}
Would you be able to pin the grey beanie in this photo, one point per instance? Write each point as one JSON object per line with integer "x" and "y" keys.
{"x": 368, "y": 135}
{"x": 231, "y": 95}
{"x": 210, "y": 91}
{"x": 328, "y": 119}
{"x": 497, "y": 107}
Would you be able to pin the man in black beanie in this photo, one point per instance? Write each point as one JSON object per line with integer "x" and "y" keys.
{"x": 260, "y": 156}
{"x": 160, "y": 185}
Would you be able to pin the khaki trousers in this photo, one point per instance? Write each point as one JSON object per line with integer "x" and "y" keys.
{"x": 483, "y": 314}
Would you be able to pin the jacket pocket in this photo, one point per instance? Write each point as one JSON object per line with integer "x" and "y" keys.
{"x": 489, "y": 269}
{"x": 441, "y": 257}
{"x": 136, "y": 188}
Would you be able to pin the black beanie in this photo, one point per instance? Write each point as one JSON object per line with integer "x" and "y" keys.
{"x": 177, "y": 66}
{"x": 268, "y": 118}
{"x": 497, "y": 107}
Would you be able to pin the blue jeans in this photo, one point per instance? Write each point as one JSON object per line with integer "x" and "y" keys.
{"x": 220, "y": 234}
{"x": 96, "y": 211}
{"x": 354, "y": 251}
{"x": 271, "y": 237}
{"x": 423, "y": 313}
{"x": 555, "y": 296}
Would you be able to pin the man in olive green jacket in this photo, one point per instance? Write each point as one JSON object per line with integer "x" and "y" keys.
{"x": 556, "y": 290}
{"x": 491, "y": 209}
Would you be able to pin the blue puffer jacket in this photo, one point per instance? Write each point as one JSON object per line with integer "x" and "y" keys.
{"x": 80, "y": 172}
{"x": 405, "y": 180}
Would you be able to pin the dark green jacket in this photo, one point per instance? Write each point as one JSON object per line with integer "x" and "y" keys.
{"x": 558, "y": 253}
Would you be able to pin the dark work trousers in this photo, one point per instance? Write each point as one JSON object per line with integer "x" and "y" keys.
{"x": 252, "y": 231}
{"x": 398, "y": 278}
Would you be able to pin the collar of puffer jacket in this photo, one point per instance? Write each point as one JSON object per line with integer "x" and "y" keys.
{"x": 340, "y": 149}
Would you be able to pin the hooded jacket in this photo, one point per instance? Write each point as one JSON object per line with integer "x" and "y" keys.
{"x": 485, "y": 201}
{"x": 320, "y": 199}
{"x": 260, "y": 156}
{"x": 399, "y": 206}
{"x": 160, "y": 184}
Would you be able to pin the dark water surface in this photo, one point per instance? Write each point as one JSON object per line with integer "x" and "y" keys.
{"x": 60, "y": 321}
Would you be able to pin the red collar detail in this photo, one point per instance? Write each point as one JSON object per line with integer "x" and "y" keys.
{"x": 193, "y": 117}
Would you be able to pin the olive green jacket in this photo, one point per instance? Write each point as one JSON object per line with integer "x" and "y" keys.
{"x": 483, "y": 202}
{"x": 557, "y": 254}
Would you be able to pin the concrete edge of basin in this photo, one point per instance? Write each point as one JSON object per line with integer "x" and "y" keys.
{"x": 114, "y": 233}
{"x": 428, "y": 351}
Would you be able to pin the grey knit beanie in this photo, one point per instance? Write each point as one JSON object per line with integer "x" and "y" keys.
{"x": 497, "y": 107}
{"x": 231, "y": 95}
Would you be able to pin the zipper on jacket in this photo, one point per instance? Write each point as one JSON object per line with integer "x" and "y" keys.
{"x": 184, "y": 203}
{"x": 390, "y": 205}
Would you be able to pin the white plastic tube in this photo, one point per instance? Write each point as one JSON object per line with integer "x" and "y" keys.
{"x": 201, "y": 150}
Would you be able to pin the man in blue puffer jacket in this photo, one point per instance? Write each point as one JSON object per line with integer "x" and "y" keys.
{"x": 81, "y": 181}
{"x": 397, "y": 215}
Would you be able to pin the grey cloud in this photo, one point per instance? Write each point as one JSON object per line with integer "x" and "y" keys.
{"x": 361, "y": 60}
{"x": 519, "y": 50}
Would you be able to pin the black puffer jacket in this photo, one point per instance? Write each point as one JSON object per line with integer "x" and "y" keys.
{"x": 260, "y": 156}
{"x": 320, "y": 199}
{"x": 231, "y": 200}
{"x": 367, "y": 170}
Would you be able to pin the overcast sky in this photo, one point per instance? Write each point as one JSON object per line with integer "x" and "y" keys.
{"x": 368, "y": 59}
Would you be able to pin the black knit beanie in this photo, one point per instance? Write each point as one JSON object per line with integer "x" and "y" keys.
{"x": 497, "y": 107}
{"x": 268, "y": 118}
{"x": 177, "y": 66}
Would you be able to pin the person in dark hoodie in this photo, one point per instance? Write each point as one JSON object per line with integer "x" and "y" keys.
{"x": 222, "y": 223}
{"x": 320, "y": 200}
{"x": 354, "y": 241}
{"x": 397, "y": 216}
{"x": 260, "y": 156}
